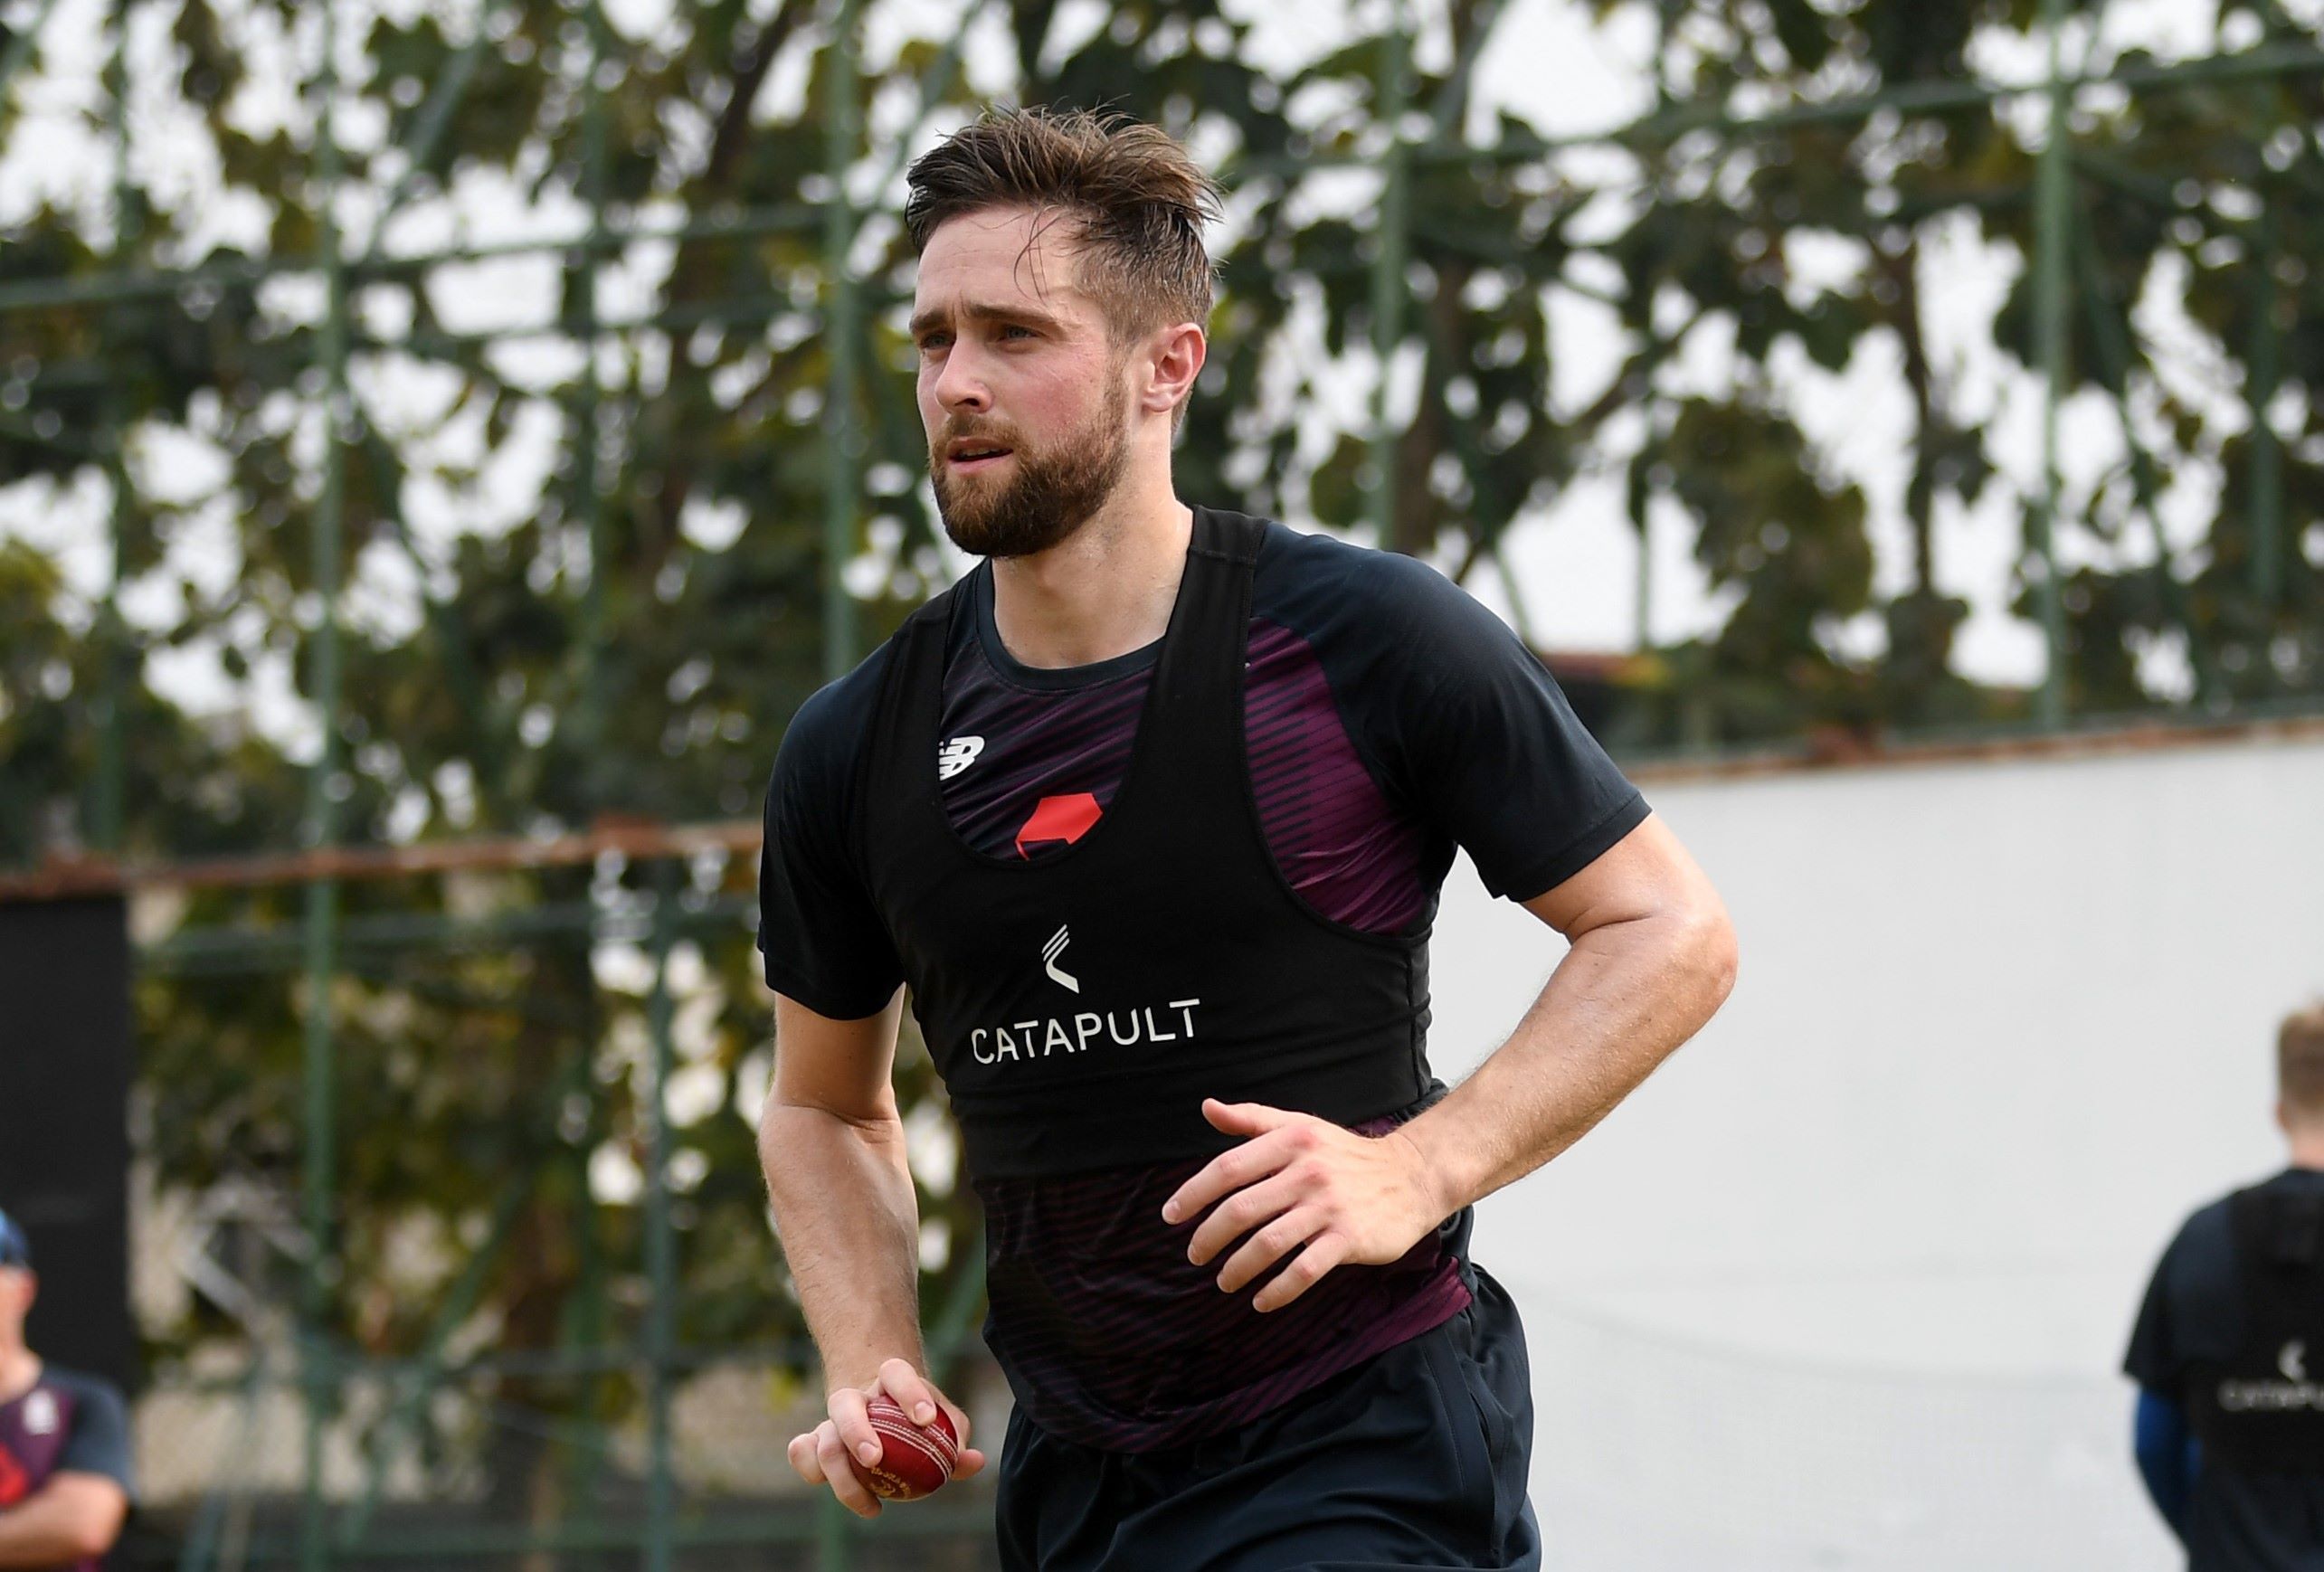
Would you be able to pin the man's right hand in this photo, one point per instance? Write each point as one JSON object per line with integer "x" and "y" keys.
{"x": 820, "y": 1456}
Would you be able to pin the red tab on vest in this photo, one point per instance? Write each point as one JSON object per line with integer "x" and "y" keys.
{"x": 1065, "y": 819}
{"x": 14, "y": 1483}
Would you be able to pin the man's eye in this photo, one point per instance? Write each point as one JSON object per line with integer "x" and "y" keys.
{"x": 934, "y": 341}
{"x": 1013, "y": 329}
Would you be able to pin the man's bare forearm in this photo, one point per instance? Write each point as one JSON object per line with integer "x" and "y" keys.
{"x": 70, "y": 1519}
{"x": 1623, "y": 999}
{"x": 849, "y": 1220}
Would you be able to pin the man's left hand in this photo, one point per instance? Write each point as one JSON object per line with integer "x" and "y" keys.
{"x": 1301, "y": 1180}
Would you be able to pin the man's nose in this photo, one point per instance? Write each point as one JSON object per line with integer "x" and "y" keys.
{"x": 960, "y": 385}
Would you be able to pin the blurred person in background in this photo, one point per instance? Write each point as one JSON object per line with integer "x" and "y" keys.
{"x": 2229, "y": 1352}
{"x": 64, "y": 1442}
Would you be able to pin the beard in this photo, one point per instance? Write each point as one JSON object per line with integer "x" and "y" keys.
{"x": 1050, "y": 493}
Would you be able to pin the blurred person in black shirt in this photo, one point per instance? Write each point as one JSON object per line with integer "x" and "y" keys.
{"x": 2229, "y": 1353}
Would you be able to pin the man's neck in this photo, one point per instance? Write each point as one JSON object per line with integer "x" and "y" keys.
{"x": 1103, "y": 593}
{"x": 20, "y": 1370}
{"x": 2307, "y": 1148}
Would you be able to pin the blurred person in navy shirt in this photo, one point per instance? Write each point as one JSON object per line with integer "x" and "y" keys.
{"x": 2229, "y": 1352}
{"x": 64, "y": 1442}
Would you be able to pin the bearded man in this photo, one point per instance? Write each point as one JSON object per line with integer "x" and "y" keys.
{"x": 1150, "y": 812}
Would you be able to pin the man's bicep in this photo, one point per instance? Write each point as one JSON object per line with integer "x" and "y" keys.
{"x": 843, "y": 1067}
{"x": 1646, "y": 874}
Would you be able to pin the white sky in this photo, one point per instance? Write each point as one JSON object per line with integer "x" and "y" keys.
{"x": 1576, "y": 563}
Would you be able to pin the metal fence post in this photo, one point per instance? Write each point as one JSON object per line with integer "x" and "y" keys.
{"x": 1392, "y": 246}
{"x": 323, "y": 789}
{"x": 661, "y": 1242}
{"x": 842, "y": 336}
{"x": 2052, "y": 235}
{"x": 108, "y": 811}
{"x": 587, "y": 488}
{"x": 2263, "y": 373}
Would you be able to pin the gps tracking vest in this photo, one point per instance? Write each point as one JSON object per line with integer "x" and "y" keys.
{"x": 1080, "y": 1007}
{"x": 2262, "y": 1410}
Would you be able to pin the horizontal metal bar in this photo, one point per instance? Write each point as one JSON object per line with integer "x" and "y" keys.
{"x": 637, "y": 842}
{"x": 1650, "y": 130}
{"x": 342, "y": 1366}
{"x": 1907, "y": 98}
{"x": 925, "y": 1520}
{"x": 246, "y": 272}
{"x": 213, "y": 952}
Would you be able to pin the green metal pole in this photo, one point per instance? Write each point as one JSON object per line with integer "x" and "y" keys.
{"x": 843, "y": 336}
{"x": 661, "y": 1241}
{"x": 587, "y": 494}
{"x": 2052, "y": 237}
{"x": 1639, "y": 493}
{"x": 109, "y": 809}
{"x": 833, "y": 1533}
{"x": 1391, "y": 245}
{"x": 323, "y": 784}
{"x": 2264, "y": 371}
{"x": 2110, "y": 339}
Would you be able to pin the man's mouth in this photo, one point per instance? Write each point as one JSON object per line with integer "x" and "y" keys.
{"x": 970, "y": 453}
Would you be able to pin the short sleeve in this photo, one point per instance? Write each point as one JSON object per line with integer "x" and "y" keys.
{"x": 824, "y": 942}
{"x": 1483, "y": 743}
{"x": 100, "y": 1441}
{"x": 2193, "y": 1312}
{"x": 2153, "y": 1358}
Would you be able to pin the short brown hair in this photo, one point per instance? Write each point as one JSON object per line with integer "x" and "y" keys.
{"x": 1140, "y": 197}
{"x": 2300, "y": 1059}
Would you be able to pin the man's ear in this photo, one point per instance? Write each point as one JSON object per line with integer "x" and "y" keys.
{"x": 1174, "y": 358}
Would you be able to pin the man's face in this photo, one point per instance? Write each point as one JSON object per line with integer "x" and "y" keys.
{"x": 1024, "y": 397}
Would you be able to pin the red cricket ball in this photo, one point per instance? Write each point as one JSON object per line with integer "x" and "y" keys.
{"x": 914, "y": 1461}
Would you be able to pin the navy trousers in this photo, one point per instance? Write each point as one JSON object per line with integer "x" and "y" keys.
{"x": 1416, "y": 1459}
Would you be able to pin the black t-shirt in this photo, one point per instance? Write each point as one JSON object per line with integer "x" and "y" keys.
{"x": 2194, "y": 1315}
{"x": 1390, "y": 719}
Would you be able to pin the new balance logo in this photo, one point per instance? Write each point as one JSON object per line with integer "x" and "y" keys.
{"x": 1049, "y": 953}
{"x": 957, "y": 754}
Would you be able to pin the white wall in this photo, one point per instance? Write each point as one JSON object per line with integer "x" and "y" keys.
{"x": 2000, "y": 1025}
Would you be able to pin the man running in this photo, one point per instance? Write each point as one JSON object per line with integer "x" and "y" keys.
{"x": 2229, "y": 1352}
{"x": 64, "y": 1442}
{"x": 1150, "y": 812}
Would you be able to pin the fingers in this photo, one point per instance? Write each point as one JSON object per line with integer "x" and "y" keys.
{"x": 912, "y": 1391}
{"x": 1325, "y": 1250}
{"x": 1268, "y": 1246}
{"x": 1246, "y": 1164}
{"x": 1240, "y": 1213}
{"x": 1245, "y": 1118}
{"x": 922, "y": 1399}
{"x": 971, "y": 1462}
{"x": 828, "y": 1458}
{"x": 803, "y": 1461}
{"x": 853, "y": 1421}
